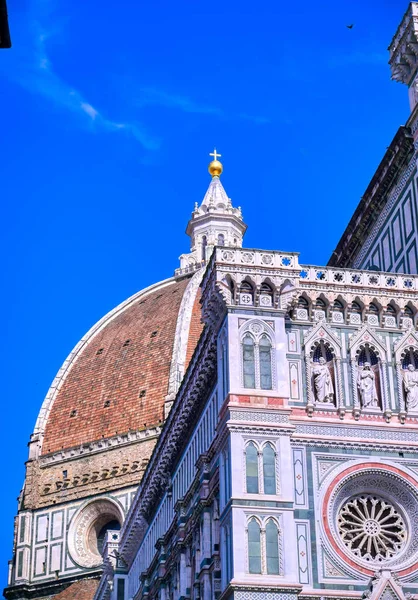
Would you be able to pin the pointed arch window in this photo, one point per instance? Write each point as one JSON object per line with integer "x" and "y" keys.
{"x": 254, "y": 547}
{"x": 355, "y": 307}
{"x": 269, "y": 469}
{"x": 322, "y": 351}
{"x": 251, "y": 464}
{"x": 367, "y": 355}
{"x": 257, "y": 362}
{"x": 265, "y": 363}
{"x": 266, "y": 289}
{"x": 246, "y": 296}
{"x": 264, "y": 546}
{"x": 248, "y": 351}
{"x": 410, "y": 357}
{"x": 272, "y": 548}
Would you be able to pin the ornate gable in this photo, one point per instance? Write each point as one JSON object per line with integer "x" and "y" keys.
{"x": 410, "y": 338}
{"x": 385, "y": 586}
{"x": 321, "y": 331}
{"x": 367, "y": 335}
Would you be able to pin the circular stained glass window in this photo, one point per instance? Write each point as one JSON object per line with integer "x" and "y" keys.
{"x": 372, "y": 528}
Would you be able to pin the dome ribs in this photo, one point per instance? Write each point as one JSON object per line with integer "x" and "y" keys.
{"x": 129, "y": 355}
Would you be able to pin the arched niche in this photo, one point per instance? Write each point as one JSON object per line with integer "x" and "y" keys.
{"x": 369, "y": 368}
{"x": 323, "y": 369}
{"x": 406, "y": 360}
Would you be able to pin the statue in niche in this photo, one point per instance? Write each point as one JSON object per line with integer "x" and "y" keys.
{"x": 410, "y": 382}
{"x": 324, "y": 389}
{"x": 366, "y": 383}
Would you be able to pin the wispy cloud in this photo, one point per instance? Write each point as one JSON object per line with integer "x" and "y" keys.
{"x": 31, "y": 66}
{"x": 33, "y": 70}
{"x": 154, "y": 97}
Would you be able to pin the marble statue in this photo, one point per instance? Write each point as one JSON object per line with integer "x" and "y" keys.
{"x": 324, "y": 390}
{"x": 410, "y": 382}
{"x": 366, "y": 383}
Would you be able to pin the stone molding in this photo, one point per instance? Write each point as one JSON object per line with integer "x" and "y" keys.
{"x": 80, "y": 527}
{"x": 344, "y": 436}
{"x": 234, "y": 266}
{"x": 98, "y": 446}
{"x": 378, "y": 200}
{"x": 181, "y": 337}
{"x": 403, "y": 48}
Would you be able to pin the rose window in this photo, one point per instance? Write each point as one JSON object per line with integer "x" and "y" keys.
{"x": 371, "y": 528}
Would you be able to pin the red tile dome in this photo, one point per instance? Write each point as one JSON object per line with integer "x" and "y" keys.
{"x": 117, "y": 378}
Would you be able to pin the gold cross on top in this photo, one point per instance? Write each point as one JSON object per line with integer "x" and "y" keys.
{"x": 215, "y": 155}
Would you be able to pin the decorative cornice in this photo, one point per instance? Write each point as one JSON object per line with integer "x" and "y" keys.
{"x": 403, "y": 48}
{"x": 374, "y": 200}
{"x": 409, "y": 338}
{"x": 117, "y": 441}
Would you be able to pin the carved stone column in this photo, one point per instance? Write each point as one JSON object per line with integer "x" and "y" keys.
{"x": 205, "y": 542}
{"x": 403, "y": 409}
{"x": 339, "y": 388}
{"x": 387, "y": 411}
{"x": 183, "y": 570}
{"x": 263, "y": 550}
{"x": 260, "y": 472}
{"x": 207, "y": 591}
{"x": 356, "y": 401}
{"x": 257, "y": 365}
{"x": 310, "y": 406}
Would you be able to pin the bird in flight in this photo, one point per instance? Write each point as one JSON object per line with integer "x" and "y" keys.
{"x": 350, "y": 26}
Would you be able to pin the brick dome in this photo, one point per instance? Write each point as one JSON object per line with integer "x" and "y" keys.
{"x": 118, "y": 377}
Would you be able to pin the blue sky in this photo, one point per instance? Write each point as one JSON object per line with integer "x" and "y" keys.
{"x": 109, "y": 113}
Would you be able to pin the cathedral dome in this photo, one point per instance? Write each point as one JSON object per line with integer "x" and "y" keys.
{"x": 122, "y": 374}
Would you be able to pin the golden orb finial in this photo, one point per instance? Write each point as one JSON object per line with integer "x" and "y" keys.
{"x": 215, "y": 167}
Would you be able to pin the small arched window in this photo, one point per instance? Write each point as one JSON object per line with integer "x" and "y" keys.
{"x": 272, "y": 548}
{"x": 320, "y": 304}
{"x": 302, "y": 302}
{"x": 251, "y": 467}
{"x": 338, "y": 305}
{"x": 248, "y": 361}
{"x": 373, "y": 308}
{"x": 246, "y": 288}
{"x": 390, "y": 309}
{"x": 322, "y": 351}
{"x": 269, "y": 469}
{"x": 408, "y": 312}
{"x": 254, "y": 547}
{"x": 266, "y": 289}
{"x": 265, "y": 363}
{"x": 367, "y": 355}
{"x": 410, "y": 358}
{"x": 221, "y": 239}
{"x": 204, "y": 245}
{"x": 246, "y": 296}
{"x": 355, "y": 307}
